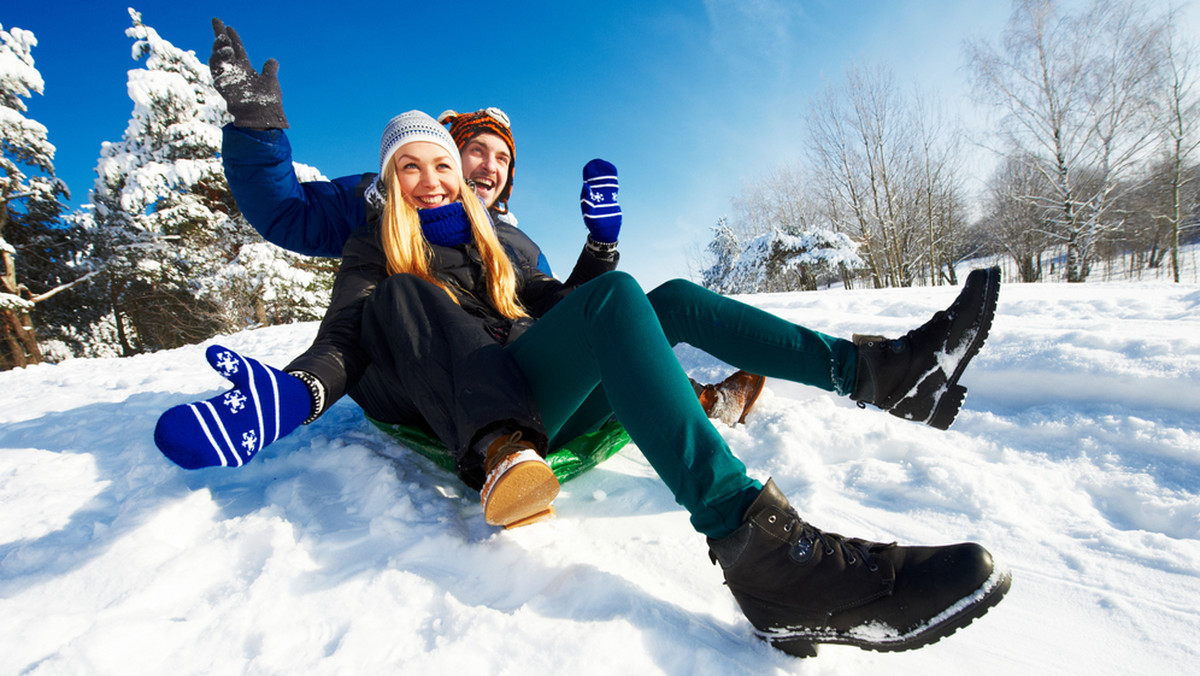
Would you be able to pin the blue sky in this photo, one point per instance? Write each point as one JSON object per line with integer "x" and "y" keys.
{"x": 691, "y": 100}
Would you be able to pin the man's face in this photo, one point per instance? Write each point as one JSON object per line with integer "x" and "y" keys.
{"x": 485, "y": 160}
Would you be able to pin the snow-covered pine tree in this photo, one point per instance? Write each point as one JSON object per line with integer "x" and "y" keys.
{"x": 28, "y": 203}
{"x": 166, "y": 229}
{"x": 799, "y": 259}
{"x": 724, "y": 250}
{"x": 782, "y": 259}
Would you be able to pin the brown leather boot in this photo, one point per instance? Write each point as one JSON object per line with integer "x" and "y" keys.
{"x": 730, "y": 400}
{"x": 520, "y": 486}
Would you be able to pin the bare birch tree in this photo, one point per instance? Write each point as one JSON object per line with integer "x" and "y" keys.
{"x": 1018, "y": 216}
{"x": 1125, "y": 73}
{"x": 1177, "y": 118}
{"x": 938, "y": 189}
{"x": 837, "y": 160}
{"x": 888, "y": 172}
{"x": 1074, "y": 92}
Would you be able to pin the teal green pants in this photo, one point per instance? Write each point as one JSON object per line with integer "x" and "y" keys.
{"x": 606, "y": 349}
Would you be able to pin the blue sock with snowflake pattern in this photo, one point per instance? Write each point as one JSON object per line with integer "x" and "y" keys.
{"x": 227, "y": 430}
{"x": 598, "y": 201}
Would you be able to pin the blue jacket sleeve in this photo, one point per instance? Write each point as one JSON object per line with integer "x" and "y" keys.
{"x": 313, "y": 218}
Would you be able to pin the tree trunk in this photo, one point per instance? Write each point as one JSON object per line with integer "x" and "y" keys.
{"x": 18, "y": 325}
{"x": 20, "y": 339}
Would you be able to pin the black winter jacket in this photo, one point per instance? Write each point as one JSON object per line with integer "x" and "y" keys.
{"x": 336, "y": 357}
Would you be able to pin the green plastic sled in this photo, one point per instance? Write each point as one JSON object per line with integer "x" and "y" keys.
{"x": 569, "y": 461}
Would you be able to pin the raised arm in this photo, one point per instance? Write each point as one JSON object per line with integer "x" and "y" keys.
{"x": 312, "y": 218}
{"x": 602, "y": 216}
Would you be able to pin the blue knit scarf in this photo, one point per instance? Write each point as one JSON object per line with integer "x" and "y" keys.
{"x": 446, "y": 226}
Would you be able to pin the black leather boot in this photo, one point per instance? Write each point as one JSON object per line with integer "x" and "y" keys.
{"x": 916, "y": 376}
{"x": 800, "y": 586}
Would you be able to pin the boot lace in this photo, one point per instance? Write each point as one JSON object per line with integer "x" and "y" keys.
{"x": 503, "y": 448}
{"x": 853, "y": 549}
{"x": 511, "y": 445}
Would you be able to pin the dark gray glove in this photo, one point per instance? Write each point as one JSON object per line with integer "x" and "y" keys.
{"x": 254, "y": 100}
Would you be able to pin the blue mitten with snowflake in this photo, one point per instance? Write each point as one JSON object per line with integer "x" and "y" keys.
{"x": 601, "y": 212}
{"x": 227, "y": 430}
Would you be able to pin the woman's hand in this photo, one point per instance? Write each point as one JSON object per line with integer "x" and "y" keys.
{"x": 229, "y": 429}
{"x": 598, "y": 201}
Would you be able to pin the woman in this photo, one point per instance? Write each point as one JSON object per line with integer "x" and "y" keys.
{"x": 798, "y": 585}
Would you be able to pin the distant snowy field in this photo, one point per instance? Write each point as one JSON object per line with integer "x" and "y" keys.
{"x": 1076, "y": 461}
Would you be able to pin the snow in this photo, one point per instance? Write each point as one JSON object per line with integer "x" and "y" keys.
{"x": 18, "y": 76}
{"x": 1076, "y": 461}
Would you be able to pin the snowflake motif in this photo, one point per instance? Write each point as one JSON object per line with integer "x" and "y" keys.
{"x": 249, "y": 440}
{"x": 596, "y": 197}
{"x": 235, "y": 401}
{"x": 227, "y": 364}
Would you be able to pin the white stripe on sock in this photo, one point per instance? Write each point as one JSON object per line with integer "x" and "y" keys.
{"x": 208, "y": 431}
{"x": 275, "y": 392}
{"x": 257, "y": 402}
{"x": 233, "y": 448}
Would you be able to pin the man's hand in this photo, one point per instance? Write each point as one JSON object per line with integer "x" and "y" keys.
{"x": 254, "y": 100}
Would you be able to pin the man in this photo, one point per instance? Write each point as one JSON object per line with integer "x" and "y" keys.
{"x": 316, "y": 218}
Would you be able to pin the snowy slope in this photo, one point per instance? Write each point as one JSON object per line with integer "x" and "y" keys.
{"x": 1076, "y": 461}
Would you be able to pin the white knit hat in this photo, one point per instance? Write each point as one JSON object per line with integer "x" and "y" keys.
{"x": 414, "y": 126}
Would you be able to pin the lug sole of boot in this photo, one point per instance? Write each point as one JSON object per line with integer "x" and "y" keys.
{"x": 798, "y": 647}
{"x": 949, "y": 402}
{"x": 988, "y": 312}
{"x": 529, "y": 520}
{"x": 947, "y": 407}
{"x": 752, "y": 397}
{"x": 981, "y": 602}
{"x": 803, "y": 643}
{"x": 521, "y": 492}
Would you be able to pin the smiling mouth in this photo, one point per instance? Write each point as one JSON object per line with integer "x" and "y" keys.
{"x": 484, "y": 184}
{"x": 431, "y": 201}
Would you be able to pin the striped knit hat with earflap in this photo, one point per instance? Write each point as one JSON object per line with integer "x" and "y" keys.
{"x": 414, "y": 126}
{"x": 491, "y": 120}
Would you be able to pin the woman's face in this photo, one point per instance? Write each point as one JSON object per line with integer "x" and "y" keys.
{"x": 428, "y": 175}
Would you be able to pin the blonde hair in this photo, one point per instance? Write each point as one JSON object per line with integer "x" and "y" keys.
{"x": 408, "y": 251}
